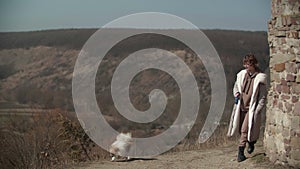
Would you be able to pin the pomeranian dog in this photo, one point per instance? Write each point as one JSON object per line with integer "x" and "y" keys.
{"x": 121, "y": 146}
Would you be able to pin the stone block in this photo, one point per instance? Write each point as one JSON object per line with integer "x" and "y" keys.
{"x": 295, "y": 27}
{"x": 285, "y": 97}
{"x": 271, "y": 120}
{"x": 296, "y": 111}
{"x": 295, "y": 51}
{"x": 297, "y": 133}
{"x": 295, "y": 88}
{"x": 295, "y": 99}
{"x": 278, "y": 88}
{"x": 286, "y": 20}
{"x": 290, "y": 78}
{"x": 293, "y": 34}
{"x": 295, "y": 154}
{"x": 294, "y": 163}
{"x": 274, "y": 77}
{"x": 279, "y": 143}
{"x": 285, "y": 89}
{"x": 281, "y": 158}
{"x": 295, "y": 143}
{"x": 283, "y": 82}
{"x": 274, "y": 102}
{"x": 286, "y": 9}
{"x": 278, "y": 118}
{"x": 273, "y": 157}
{"x": 278, "y": 23}
{"x": 270, "y": 26}
{"x": 270, "y": 143}
{"x": 286, "y": 141}
{"x": 290, "y": 51}
{"x": 295, "y": 124}
{"x": 286, "y": 121}
{"x": 270, "y": 130}
{"x": 292, "y": 42}
{"x": 291, "y": 67}
{"x": 282, "y": 40}
{"x": 298, "y": 79}
{"x": 294, "y": 5}
{"x": 274, "y": 44}
{"x": 280, "y": 106}
{"x": 281, "y": 58}
{"x": 288, "y": 150}
{"x": 288, "y": 107}
{"x": 295, "y": 20}
{"x": 286, "y": 49}
{"x": 283, "y": 28}
{"x": 279, "y": 67}
{"x": 286, "y": 133}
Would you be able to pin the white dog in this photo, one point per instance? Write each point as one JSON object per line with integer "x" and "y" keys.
{"x": 121, "y": 146}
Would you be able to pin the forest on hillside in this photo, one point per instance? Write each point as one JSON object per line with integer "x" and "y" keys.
{"x": 20, "y": 49}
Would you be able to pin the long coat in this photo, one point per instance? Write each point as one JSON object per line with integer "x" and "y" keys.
{"x": 257, "y": 102}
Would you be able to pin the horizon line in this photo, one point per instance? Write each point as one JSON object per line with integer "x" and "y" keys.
{"x": 90, "y": 28}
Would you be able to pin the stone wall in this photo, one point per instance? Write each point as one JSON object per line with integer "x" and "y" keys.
{"x": 282, "y": 132}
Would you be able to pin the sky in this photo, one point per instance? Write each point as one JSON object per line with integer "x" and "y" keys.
{"x": 31, "y": 15}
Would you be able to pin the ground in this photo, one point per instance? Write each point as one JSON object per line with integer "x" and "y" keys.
{"x": 217, "y": 158}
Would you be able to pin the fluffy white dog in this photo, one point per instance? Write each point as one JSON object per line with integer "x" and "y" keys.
{"x": 121, "y": 146}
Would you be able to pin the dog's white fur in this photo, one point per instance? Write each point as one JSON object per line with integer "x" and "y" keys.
{"x": 121, "y": 146}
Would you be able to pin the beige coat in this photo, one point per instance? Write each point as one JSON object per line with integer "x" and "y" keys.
{"x": 256, "y": 104}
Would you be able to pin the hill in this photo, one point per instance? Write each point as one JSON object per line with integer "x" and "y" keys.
{"x": 36, "y": 69}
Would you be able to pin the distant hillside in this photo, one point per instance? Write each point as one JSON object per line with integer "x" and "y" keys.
{"x": 224, "y": 40}
{"x": 69, "y": 38}
{"x": 231, "y": 45}
{"x": 36, "y": 67}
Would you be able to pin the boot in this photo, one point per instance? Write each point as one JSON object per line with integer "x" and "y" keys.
{"x": 241, "y": 156}
{"x": 251, "y": 147}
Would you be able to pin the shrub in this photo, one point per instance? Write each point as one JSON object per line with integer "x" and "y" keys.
{"x": 48, "y": 140}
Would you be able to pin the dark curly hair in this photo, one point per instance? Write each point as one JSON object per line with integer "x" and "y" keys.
{"x": 250, "y": 60}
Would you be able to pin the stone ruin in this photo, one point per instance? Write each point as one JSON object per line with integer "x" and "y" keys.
{"x": 282, "y": 132}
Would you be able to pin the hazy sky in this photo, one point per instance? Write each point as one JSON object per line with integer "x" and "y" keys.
{"x": 27, "y": 15}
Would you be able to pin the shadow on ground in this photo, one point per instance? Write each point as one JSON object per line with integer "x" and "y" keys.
{"x": 135, "y": 159}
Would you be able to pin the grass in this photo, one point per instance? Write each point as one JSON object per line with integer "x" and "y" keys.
{"x": 260, "y": 158}
{"x": 11, "y": 105}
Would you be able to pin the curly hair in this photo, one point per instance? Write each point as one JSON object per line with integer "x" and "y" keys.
{"x": 250, "y": 60}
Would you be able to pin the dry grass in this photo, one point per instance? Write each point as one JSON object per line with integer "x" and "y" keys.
{"x": 218, "y": 139}
{"x": 45, "y": 140}
{"x": 56, "y": 139}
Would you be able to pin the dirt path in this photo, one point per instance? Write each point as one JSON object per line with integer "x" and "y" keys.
{"x": 219, "y": 158}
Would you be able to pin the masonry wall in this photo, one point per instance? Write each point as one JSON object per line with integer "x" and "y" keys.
{"x": 282, "y": 132}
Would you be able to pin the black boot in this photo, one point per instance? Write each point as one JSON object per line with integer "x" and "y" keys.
{"x": 241, "y": 156}
{"x": 251, "y": 147}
